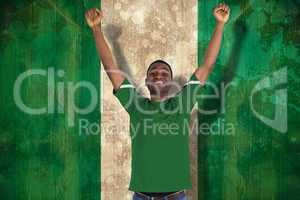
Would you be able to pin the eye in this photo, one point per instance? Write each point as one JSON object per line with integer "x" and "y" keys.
{"x": 165, "y": 74}
{"x": 152, "y": 73}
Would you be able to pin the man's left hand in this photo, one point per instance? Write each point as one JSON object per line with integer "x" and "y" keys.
{"x": 221, "y": 13}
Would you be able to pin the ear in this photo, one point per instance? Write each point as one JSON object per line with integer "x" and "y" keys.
{"x": 146, "y": 81}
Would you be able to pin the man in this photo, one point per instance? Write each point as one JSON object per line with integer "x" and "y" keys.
{"x": 158, "y": 128}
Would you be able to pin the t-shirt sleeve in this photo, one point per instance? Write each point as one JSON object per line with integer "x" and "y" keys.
{"x": 126, "y": 94}
{"x": 190, "y": 93}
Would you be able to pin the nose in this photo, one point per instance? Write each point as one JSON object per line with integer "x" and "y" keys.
{"x": 157, "y": 78}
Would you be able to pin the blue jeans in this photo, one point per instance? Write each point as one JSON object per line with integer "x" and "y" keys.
{"x": 182, "y": 197}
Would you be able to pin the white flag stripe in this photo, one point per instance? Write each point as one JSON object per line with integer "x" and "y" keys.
{"x": 188, "y": 49}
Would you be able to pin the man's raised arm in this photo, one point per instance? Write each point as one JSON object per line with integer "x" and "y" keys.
{"x": 221, "y": 13}
{"x": 93, "y": 18}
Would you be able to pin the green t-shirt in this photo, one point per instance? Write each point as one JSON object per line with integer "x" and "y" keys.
{"x": 159, "y": 133}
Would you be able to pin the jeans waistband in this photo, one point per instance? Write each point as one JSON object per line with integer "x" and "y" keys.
{"x": 172, "y": 196}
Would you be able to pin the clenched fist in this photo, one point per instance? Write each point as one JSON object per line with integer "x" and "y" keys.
{"x": 93, "y": 17}
{"x": 221, "y": 13}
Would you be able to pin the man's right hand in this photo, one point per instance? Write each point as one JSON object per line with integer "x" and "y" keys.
{"x": 93, "y": 17}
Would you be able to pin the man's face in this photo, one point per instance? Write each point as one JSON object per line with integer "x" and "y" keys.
{"x": 158, "y": 78}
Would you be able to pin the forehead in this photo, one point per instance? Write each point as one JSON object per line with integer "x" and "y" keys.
{"x": 159, "y": 66}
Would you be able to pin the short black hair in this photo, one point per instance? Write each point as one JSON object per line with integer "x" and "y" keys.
{"x": 160, "y": 61}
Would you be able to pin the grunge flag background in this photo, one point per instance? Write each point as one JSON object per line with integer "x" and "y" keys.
{"x": 64, "y": 136}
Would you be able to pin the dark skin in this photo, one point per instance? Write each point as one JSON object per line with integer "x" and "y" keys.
{"x": 157, "y": 91}
{"x": 158, "y": 81}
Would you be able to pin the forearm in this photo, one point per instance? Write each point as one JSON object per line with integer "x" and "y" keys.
{"x": 106, "y": 57}
{"x": 211, "y": 54}
{"x": 103, "y": 49}
{"x": 213, "y": 48}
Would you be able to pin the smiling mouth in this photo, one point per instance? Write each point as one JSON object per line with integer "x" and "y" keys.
{"x": 159, "y": 82}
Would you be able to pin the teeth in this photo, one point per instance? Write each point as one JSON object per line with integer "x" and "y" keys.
{"x": 159, "y": 82}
